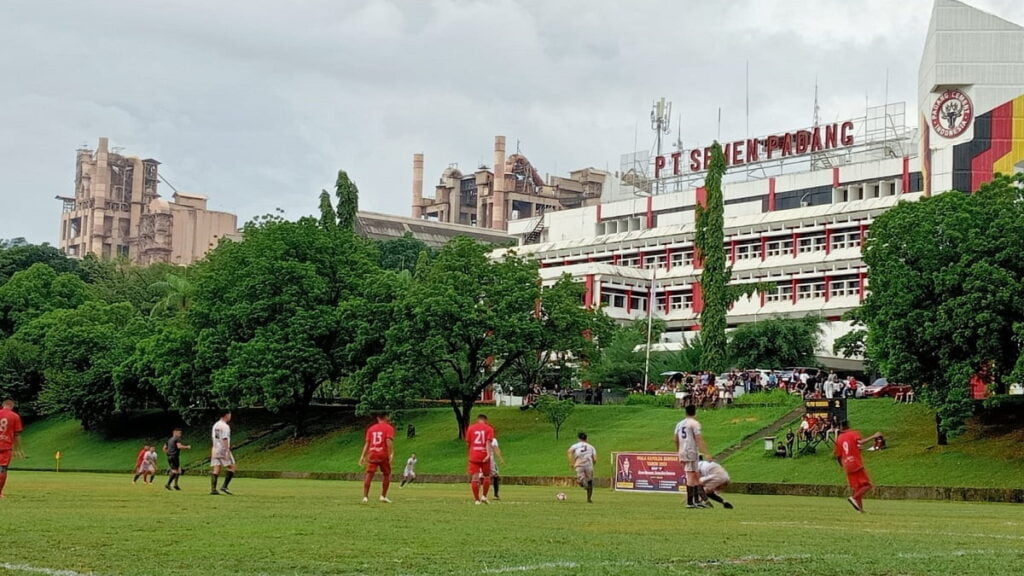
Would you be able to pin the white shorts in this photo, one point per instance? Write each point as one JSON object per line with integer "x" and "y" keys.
{"x": 409, "y": 473}
{"x": 222, "y": 460}
{"x": 585, "y": 473}
{"x": 714, "y": 483}
{"x": 146, "y": 469}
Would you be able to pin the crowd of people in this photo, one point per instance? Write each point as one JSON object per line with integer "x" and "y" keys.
{"x": 706, "y": 389}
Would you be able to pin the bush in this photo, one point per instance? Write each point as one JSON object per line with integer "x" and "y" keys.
{"x": 663, "y": 400}
{"x": 771, "y": 398}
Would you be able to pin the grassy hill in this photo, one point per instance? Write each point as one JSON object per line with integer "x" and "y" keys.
{"x": 981, "y": 458}
{"x": 527, "y": 439}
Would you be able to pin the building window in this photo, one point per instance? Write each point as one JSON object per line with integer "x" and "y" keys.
{"x": 122, "y": 250}
{"x": 632, "y": 261}
{"x": 847, "y": 239}
{"x": 780, "y": 247}
{"x": 681, "y": 301}
{"x": 783, "y": 292}
{"x": 748, "y": 251}
{"x": 810, "y": 291}
{"x": 812, "y": 244}
{"x": 844, "y": 287}
{"x": 638, "y": 303}
{"x": 682, "y": 258}
{"x": 654, "y": 261}
{"x": 613, "y": 300}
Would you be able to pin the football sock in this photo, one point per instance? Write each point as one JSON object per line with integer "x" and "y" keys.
{"x": 3, "y": 482}
{"x": 136, "y": 479}
{"x": 213, "y": 482}
{"x": 487, "y": 485}
{"x": 170, "y": 478}
{"x": 476, "y": 489}
{"x": 367, "y": 479}
{"x": 227, "y": 479}
{"x": 590, "y": 489}
{"x": 716, "y": 498}
{"x": 701, "y": 495}
{"x": 691, "y": 493}
{"x": 496, "y": 481}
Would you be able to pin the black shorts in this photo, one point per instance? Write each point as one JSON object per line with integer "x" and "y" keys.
{"x": 173, "y": 462}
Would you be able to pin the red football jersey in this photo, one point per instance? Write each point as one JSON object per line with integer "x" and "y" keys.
{"x": 10, "y": 424}
{"x": 140, "y": 457}
{"x": 377, "y": 437}
{"x": 848, "y": 451}
{"x": 479, "y": 437}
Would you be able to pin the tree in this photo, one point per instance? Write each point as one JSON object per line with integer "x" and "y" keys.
{"x": 463, "y": 322}
{"x": 947, "y": 293}
{"x": 709, "y": 241}
{"x": 30, "y": 293}
{"x": 281, "y": 313}
{"x": 569, "y": 337}
{"x": 775, "y": 343}
{"x": 81, "y": 350}
{"x": 18, "y": 256}
{"x": 401, "y": 253}
{"x": 21, "y": 372}
{"x": 115, "y": 281}
{"x": 348, "y": 201}
{"x": 555, "y": 410}
{"x": 621, "y": 360}
{"x": 177, "y": 293}
{"x": 328, "y": 217}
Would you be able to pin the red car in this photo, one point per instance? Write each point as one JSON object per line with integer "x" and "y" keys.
{"x": 880, "y": 388}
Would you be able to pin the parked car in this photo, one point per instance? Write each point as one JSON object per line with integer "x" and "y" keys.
{"x": 880, "y": 388}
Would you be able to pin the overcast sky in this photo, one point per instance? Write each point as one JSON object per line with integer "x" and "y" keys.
{"x": 257, "y": 104}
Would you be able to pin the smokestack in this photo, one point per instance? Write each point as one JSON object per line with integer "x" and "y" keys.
{"x": 417, "y": 186}
{"x": 498, "y": 217}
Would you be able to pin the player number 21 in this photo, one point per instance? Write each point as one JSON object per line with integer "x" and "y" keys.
{"x": 478, "y": 437}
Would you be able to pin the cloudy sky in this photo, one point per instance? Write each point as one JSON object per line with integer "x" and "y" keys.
{"x": 257, "y": 104}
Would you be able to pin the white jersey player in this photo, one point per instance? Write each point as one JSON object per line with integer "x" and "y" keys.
{"x": 582, "y": 457}
{"x": 409, "y": 475}
{"x": 714, "y": 479}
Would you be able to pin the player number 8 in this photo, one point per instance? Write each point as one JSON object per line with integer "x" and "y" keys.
{"x": 3, "y": 425}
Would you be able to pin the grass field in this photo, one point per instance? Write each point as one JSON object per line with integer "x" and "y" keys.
{"x": 73, "y": 524}
{"x": 527, "y": 439}
{"x": 913, "y": 458}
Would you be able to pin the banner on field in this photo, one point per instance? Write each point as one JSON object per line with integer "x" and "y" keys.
{"x": 649, "y": 472}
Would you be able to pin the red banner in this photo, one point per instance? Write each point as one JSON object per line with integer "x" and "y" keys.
{"x": 649, "y": 472}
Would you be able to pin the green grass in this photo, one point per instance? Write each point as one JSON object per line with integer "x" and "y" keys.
{"x": 99, "y": 524}
{"x": 528, "y": 441}
{"x": 912, "y": 459}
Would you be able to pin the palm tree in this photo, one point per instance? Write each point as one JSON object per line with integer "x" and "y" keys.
{"x": 178, "y": 293}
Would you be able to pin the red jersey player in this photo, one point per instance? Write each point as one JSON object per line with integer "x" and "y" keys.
{"x": 378, "y": 451}
{"x": 479, "y": 437}
{"x": 847, "y": 453}
{"x": 10, "y": 438}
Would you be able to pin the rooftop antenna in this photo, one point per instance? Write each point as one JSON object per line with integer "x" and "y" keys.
{"x": 678, "y": 144}
{"x": 661, "y": 123}
{"x": 719, "y": 123}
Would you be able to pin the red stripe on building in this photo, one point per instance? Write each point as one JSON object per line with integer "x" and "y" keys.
{"x": 828, "y": 241}
{"x": 588, "y": 291}
{"x": 828, "y": 287}
{"x": 698, "y": 298}
{"x": 764, "y": 247}
{"x": 629, "y": 301}
{"x": 835, "y": 177}
{"x": 1000, "y": 144}
{"x": 668, "y": 258}
{"x": 796, "y": 243}
{"x": 732, "y": 251}
{"x": 598, "y": 212}
{"x": 650, "y": 212}
{"x": 906, "y": 174}
{"x": 668, "y": 297}
{"x": 862, "y": 285}
{"x": 702, "y": 197}
{"x": 771, "y": 194}
{"x": 794, "y": 290}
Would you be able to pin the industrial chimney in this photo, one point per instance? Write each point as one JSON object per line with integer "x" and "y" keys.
{"x": 417, "y": 186}
{"x": 498, "y": 217}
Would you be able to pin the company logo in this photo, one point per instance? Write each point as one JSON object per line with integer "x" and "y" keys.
{"x": 952, "y": 113}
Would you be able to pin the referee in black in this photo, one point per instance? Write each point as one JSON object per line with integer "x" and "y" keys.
{"x": 173, "y": 449}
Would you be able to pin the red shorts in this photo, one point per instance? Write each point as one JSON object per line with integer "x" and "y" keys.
{"x": 5, "y": 457}
{"x": 858, "y": 479}
{"x": 481, "y": 468}
{"x": 384, "y": 466}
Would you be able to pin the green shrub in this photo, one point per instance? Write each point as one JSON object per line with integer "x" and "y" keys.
{"x": 663, "y": 400}
{"x": 771, "y": 398}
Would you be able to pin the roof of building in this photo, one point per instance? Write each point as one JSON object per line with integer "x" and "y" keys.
{"x": 388, "y": 226}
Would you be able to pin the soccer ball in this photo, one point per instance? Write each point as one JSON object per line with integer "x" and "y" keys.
{"x": 560, "y": 496}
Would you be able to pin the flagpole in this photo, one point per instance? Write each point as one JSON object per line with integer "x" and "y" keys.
{"x": 650, "y": 321}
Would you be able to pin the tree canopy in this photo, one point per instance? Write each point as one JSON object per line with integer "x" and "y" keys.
{"x": 775, "y": 343}
{"x": 947, "y": 293}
